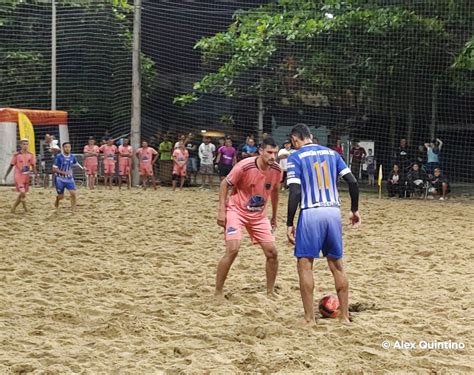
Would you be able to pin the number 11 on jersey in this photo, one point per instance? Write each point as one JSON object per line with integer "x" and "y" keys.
{"x": 325, "y": 171}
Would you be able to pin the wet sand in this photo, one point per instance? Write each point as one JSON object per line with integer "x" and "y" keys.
{"x": 125, "y": 286}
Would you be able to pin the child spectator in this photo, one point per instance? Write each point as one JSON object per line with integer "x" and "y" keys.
{"x": 440, "y": 185}
{"x": 371, "y": 167}
{"x": 395, "y": 183}
{"x": 416, "y": 179}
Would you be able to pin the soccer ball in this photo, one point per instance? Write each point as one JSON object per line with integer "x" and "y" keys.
{"x": 329, "y": 306}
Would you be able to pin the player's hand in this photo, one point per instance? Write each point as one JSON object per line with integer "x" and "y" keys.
{"x": 273, "y": 222}
{"x": 221, "y": 218}
{"x": 290, "y": 234}
{"x": 354, "y": 219}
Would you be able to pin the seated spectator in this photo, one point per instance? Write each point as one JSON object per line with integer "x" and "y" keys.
{"x": 439, "y": 185}
{"x": 416, "y": 179}
{"x": 395, "y": 183}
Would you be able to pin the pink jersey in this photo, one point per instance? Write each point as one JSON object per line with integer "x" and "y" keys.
{"x": 91, "y": 149}
{"x": 180, "y": 155}
{"x": 109, "y": 153}
{"x": 251, "y": 186}
{"x": 22, "y": 162}
{"x": 125, "y": 151}
{"x": 145, "y": 155}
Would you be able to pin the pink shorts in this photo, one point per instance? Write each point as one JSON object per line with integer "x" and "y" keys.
{"x": 179, "y": 170}
{"x": 22, "y": 183}
{"x": 109, "y": 168}
{"x": 124, "y": 166}
{"x": 90, "y": 166}
{"x": 258, "y": 227}
{"x": 146, "y": 169}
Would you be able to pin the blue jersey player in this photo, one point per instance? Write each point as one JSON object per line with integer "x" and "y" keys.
{"x": 313, "y": 172}
{"x": 63, "y": 176}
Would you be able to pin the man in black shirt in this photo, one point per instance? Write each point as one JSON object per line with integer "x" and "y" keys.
{"x": 402, "y": 156}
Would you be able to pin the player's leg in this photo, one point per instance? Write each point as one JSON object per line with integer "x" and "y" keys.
{"x": 73, "y": 197}
{"x": 305, "y": 274}
{"x": 174, "y": 181}
{"x": 271, "y": 265}
{"x": 231, "y": 250}
{"x": 59, "y": 198}
{"x": 183, "y": 178}
{"x": 153, "y": 180}
{"x": 444, "y": 187}
{"x": 342, "y": 287}
{"x": 210, "y": 177}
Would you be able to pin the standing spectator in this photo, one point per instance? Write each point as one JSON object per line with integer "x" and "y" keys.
{"x": 47, "y": 158}
{"x": 105, "y": 138}
{"x": 440, "y": 185}
{"x": 416, "y": 179}
{"x": 420, "y": 155}
{"x": 146, "y": 159}
{"x": 221, "y": 142}
{"x": 109, "y": 151}
{"x": 338, "y": 148}
{"x": 183, "y": 138}
{"x": 395, "y": 182}
{"x": 206, "y": 156}
{"x": 433, "y": 150}
{"x": 153, "y": 143}
{"x": 371, "y": 167}
{"x": 180, "y": 158}
{"x": 166, "y": 147}
{"x": 125, "y": 152}
{"x": 249, "y": 149}
{"x": 226, "y": 158}
{"x": 402, "y": 156}
{"x": 357, "y": 154}
{"x": 283, "y": 155}
{"x": 91, "y": 154}
{"x": 192, "y": 148}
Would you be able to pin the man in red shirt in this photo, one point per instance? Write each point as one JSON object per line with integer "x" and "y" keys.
{"x": 253, "y": 181}
{"x": 125, "y": 152}
{"x": 23, "y": 161}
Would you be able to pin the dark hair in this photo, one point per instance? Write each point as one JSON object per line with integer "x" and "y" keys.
{"x": 438, "y": 168}
{"x": 269, "y": 141}
{"x": 300, "y": 131}
{"x": 66, "y": 143}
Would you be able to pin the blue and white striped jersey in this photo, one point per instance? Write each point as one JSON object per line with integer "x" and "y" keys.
{"x": 317, "y": 169}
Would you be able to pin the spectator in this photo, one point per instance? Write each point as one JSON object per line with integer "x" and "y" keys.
{"x": 206, "y": 156}
{"x": 183, "y": 138}
{"x": 153, "y": 143}
{"x": 402, "y": 156}
{"x": 180, "y": 158}
{"x": 226, "y": 158}
{"x": 433, "y": 150}
{"x": 192, "y": 148}
{"x": 249, "y": 149}
{"x": 395, "y": 183}
{"x": 46, "y": 159}
{"x": 105, "y": 138}
{"x": 371, "y": 163}
{"x": 283, "y": 155}
{"x": 338, "y": 148}
{"x": 420, "y": 155}
{"x": 357, "y": 154}
{"x": 221, "y": 142}
{"x": 166, "y": 148}
{"x": 416, "y": 179}
{"x": 439, "y": 185}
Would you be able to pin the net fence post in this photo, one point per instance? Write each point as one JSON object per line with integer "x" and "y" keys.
{"x": 136, "y": 87}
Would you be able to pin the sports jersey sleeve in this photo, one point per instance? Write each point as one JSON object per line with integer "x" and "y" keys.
{"x": 57, "y": 162}
{"x": 293, "y": 170}
{"x": 74, "y": 160}
{"x": 341, "y": 166}
{"x": 14, "y": 160}
{"x": 234, "y": 175}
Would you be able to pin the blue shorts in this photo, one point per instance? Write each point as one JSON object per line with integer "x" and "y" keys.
{"x": 64, "y": 183}
{"x": 319, "y": 229}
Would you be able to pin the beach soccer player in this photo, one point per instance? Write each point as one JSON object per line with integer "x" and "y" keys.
{"x": 146, "y": 159}
{"x": 63, "y": 175}
{"x": 91, "y": 162}
{"x": 109, "y": 150}
{"x": 253, "y": 180}
{"x": 125, "y": 152}
{"x": 23, "y": 161}
{"x": 313, "y": 171}
{"x": 180, "y": 162}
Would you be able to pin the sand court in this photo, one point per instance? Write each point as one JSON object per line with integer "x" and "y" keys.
{"x": 125, "y": 285}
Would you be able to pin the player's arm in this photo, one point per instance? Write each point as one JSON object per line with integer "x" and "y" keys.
{"x": 351, "y": 181}
{"x": 223, "y": 193}
{"x": 218, "y": 158}
{"x": 294, "y": 196}
{"x": 155, "y": 158}
{"x": 275, "y": 198}
{"x": 8, "y": 171}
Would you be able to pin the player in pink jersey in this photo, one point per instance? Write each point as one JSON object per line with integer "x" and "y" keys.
{"x": 253, "y": 181}
{"x": 125, "y": 152}
{"x": 23, "y": 161}
{"x": 146, "y": 160}
{"x": 91, "y": 154}
{"x": 109, "y": 150}
{"x": 180, "y": 162}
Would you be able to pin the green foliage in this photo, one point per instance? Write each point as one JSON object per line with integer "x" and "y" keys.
{"x": 329, "y": 47}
